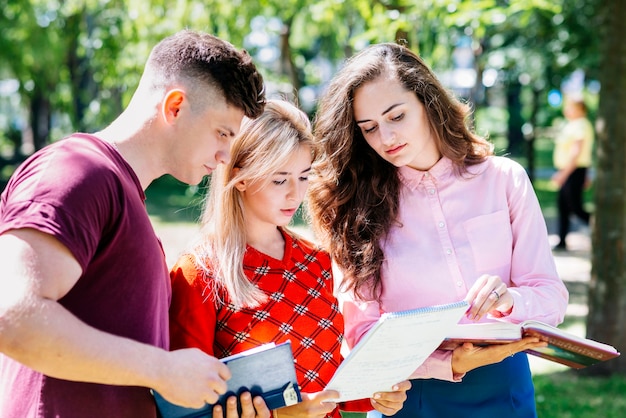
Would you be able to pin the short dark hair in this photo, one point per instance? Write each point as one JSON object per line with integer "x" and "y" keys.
{"x": 200, "y": 57}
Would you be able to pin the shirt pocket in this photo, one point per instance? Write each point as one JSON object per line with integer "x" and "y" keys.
{"x": 491, "y": 240}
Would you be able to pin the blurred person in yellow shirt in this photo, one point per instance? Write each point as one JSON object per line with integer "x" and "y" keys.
{"x": 572, "y": 158}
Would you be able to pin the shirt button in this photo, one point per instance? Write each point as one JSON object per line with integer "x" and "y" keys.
{"x": 441, "y": 224}
{"x": 448, "y": 251}
{"x": 459, "y": 283}
{"x": 426, "y": 174}
{"x": 431, "y": 191}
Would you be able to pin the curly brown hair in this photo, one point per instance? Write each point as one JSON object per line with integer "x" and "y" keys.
{"x": 354, "y": 196}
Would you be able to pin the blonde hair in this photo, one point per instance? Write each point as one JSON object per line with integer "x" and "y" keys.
{"x": 261, "y": 148}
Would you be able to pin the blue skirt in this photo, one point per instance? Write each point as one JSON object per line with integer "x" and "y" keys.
{"x": 504, "y": 389}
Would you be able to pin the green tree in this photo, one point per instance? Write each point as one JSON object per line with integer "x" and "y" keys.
{"x": 52, "y": 49}
{"x": 30, "y": 51}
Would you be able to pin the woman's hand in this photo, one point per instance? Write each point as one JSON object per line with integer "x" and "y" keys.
{"x": 388, "y": 403}
{"x": 313, "y": 405}
{"x": 468, "y": 356}
{"x": 250, "y": 408}
{"x": 488, "y": 295}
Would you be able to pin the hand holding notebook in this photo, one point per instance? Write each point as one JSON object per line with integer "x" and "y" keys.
{"x": 266, "y": 371}
{"x": 563, "y": 347}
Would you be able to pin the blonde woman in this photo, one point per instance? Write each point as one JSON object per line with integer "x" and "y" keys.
{"x": 250, "y": 280}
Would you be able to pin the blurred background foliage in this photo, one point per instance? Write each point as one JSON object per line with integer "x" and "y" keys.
{"x": 72, "y": 65}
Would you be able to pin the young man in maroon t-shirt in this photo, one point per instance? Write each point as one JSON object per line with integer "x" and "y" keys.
{"x": 85, "y": 291}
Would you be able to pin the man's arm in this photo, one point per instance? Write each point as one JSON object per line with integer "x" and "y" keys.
{"x": 38, "y": 332}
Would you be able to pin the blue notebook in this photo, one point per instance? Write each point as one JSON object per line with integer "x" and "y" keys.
{"x": 266, "y": 371}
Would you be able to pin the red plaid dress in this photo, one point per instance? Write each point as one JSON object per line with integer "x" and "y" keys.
{"x": 300, "y": 308}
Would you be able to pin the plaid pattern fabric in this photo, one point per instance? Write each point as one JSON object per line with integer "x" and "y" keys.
{"x": 300, "y": 308}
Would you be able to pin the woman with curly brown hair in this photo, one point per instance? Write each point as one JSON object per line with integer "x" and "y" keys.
{"x": 416, "y": 210}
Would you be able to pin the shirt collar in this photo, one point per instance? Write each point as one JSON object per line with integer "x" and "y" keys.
{"x": 440, "y": 171}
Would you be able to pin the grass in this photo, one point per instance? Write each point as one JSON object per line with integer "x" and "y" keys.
{"x": 569, "y": 395}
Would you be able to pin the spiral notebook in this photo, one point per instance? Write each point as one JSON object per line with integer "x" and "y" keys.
{"x": 393, "y": 349}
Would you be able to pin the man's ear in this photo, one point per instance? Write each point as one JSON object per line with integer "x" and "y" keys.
{"x": 172, "y": 104}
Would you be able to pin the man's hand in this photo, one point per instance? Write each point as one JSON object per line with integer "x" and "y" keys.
{"x": 191, "y": 378}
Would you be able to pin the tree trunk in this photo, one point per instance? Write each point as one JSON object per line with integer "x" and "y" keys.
{"x": 530, "y": 137}
{"x": 84, "y": 88}
{"x": 607, "y": 290}
{"x": 40, "y": 118}
{"x": 286, "y": 57}
{"x": 515, "y": 121}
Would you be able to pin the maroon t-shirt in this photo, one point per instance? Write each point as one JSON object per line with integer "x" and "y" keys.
{"x": 82, "y": 192}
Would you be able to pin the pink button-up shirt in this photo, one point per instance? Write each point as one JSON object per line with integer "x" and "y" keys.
{"x": 452, "y": 230}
